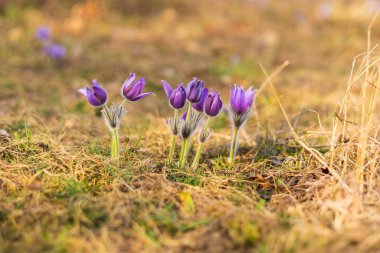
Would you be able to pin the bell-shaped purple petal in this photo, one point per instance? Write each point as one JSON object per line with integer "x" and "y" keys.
{"x": 177, "y": 98}
{"x": 249, "y": 96}
{"x": 99, "y": 92}
{"x": 234, "y": 99}
{"x": 168, "y": 89}
{"x": 132, "y": 90}
{"x": 240, "y": 98}
{"x": 97, "y": 96}
{"x": 241, "y": 101}
{"x": 128, "y": 82}
{"x": 200, "y": 105}
{"x": 141, "y": 96}
{"x": 194, "y": 90}
{"x": 213, "y": 104}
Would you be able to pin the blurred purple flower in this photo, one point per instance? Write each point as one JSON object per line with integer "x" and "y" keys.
{"x": 177, "y": 97}
{"x": 194, "y": 90}
{"x": 54, "y": 51}
{"x": 241, "y": 101}
{"x": 200, "y": 105}
{"x": 43, "y": 33}
{"x": 132, "y": 90}
{"x": 97, "y": 96}
{"x": 213, "y": 104}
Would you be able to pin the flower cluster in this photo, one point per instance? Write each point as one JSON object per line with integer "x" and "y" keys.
{"x": 97, "y": 97}
{"x": 202, "y": 105}
{"x": 53, "y": 50}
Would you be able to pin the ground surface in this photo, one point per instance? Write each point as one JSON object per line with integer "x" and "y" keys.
{"x": 59, "y": 192}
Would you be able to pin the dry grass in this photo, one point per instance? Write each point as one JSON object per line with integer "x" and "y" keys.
{"x": 300, "y": 184}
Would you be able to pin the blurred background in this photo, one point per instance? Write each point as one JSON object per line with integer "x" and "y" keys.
{"x": 220, "y": 41}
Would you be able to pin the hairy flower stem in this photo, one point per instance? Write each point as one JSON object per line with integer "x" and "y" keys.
{"x": 107, "y": 110}
{"x": 185, "y": 142}
{"x": 188, "y": 116}
{"x": 184, "y": 149}
{"x": 197, "y": 156}
{"x": 115, "y": 146}
{"x": 172, "y": 147}
{"x": 123, "y": 103}
{"x": 234, "y": 145}
{"x": 195, "y": 163}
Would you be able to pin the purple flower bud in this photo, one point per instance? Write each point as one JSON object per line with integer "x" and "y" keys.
{"x": 55, "y": 51}
{"x": 132, "y": 90}
{"x": 177, "y": 97}
{"x": 241, "y": 101}
{"x": 43, "y": 33}
{"x": 194, "y": 90}
{"x": 213, "y": 104}
{"x": 97, "y": 96}
{"x": 200, "y": 105}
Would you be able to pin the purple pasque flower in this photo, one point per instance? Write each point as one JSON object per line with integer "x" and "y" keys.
{"x": 177, "y": 97}
{"x": 194, "y": 90}
{"x": 55, "y": 51}
{"x": 97, "y": 96}
{"x": 132, "y": 90}
{"x": 213, "y": 104}
{"x": 241, "y": 101}
{"x": 43, "y": 33}
{"x": 201, "y": 103}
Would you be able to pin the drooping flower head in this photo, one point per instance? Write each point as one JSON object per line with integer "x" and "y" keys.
{"x": 97, "y": 96}
{"x": 55, "y": 51}
{"x": 43, "y": 33}
{"x": 132, "y": 90}
{"x": 177, "y": 97}
{"x": 194, "y": 90}
{"x": 201, "y": 103}
{"x": 213, "y": 104}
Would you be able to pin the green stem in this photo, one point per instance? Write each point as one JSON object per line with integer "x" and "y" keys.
{"x": 185, "y": 143}
{"x": 182, "y": 158}
{"x": 122, "y": 103}
{"x": 188, "y": 116}
{"x": 206, "y": 124}
{"x": 233, "y": 146}
{"x": 200, "y": 147}
{"x": 115, "y": 146}
{"x": 197, "y": 156}
{"x": 172, "y": 147}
